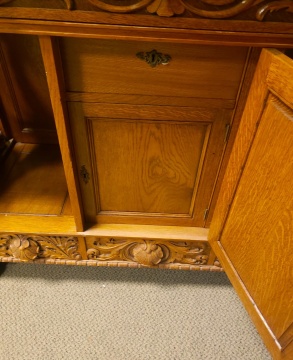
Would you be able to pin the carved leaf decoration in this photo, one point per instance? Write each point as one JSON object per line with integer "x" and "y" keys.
{"x": 93, "y": 254}
{"x": 274, "y": 6}
{"x": 28, "y": 248}
{"x": 4, "y": 245}
{"x": 148, "y": 252}
{"x": 223, "y": 9}
{"x": 24, "y": 248}
{"x": 166, "y": 7}
{"x": 59, "y": 247}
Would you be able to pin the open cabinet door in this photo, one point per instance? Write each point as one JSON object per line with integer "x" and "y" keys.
{"x": 252, "y": 228}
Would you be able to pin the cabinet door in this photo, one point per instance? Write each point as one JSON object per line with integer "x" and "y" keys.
{"x": 147, "y": 164}
{"x": 252, "y": 228}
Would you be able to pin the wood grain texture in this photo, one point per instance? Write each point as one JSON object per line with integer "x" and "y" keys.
{"x": 55, "y": 28}
{"x": 252, "y": 61}
{"x": 55, "y": 83}
{"x": 279, "y": 80}
{"x": 255, "y": 240}
{"x": 147, "y": 164}
{"x": 268, "y": 209}
{"x": 112, "y": 66}
{"x": 91, "y": 17}
{"x": 147, "y": 167}
{"x": 244, "y": 137}
{"x": 33, "y": 181}
{"x": 150, "y": 100}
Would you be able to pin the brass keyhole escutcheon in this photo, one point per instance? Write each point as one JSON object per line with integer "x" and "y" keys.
{"x": 154, "y": 58}
{"x": 84, "y": 174}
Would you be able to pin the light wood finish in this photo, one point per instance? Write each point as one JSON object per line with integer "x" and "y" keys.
{"x": 55, "y": 84}
{"x": 147, "y": 165}
{"x": 112, "y": 67}
{"x": 252, "y": 62}
{"x": 126, "y": 116}
{"x": 33, "y": 181}
{"x": 151, "y": 100}
{"x": 254, "y": 240}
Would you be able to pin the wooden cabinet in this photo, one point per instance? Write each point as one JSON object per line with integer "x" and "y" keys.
{"x": 155, "y": 142}
{"x": 149, "y": 136}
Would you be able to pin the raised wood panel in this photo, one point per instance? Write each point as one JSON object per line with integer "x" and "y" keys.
{"x": 263, "y": 200}
{"x": 147, "y": 165}
{"x": 112, "y": 67}
{"x": 25, "y": 95}
{"x": 251, "y": 232}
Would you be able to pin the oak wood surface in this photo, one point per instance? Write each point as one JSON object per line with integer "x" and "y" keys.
{"x": 211, "y": 33}
{"x": 252, "y": 61}
{"x": 267, "y": 209}
{"x": 237, "y": 25}
{"x": 33, "y": 181}
{"x": 244, "y": 137}
{"x": 147, "y": 164}
{"x": 112, "y": 67}
{"x": 252, "y": 227}
{"x": 56, "y": 88}
{"x": 150, "y": 100}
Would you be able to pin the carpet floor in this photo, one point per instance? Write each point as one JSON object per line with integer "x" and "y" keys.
{"x": 63, "y": 312}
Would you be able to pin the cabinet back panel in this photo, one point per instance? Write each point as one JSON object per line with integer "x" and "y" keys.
{"x": 109, "y": 66}
{"x": 26, "y": 100}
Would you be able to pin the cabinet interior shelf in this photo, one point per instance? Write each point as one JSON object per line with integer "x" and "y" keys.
{"x": 33, "y": 182}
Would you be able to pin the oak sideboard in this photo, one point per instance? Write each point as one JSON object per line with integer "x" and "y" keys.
{"x": 153, "y": 133}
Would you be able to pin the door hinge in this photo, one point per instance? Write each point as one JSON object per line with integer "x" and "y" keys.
{"x": 206, "y": 213}
{"x": 227, "y": 132}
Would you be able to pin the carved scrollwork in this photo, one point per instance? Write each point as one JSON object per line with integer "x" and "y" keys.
{"x": 29, "y": 247}
{"x": 274, "y": 6}
{"x": 147, "y": 252}
{"x": 210, "y": 9}
{"x": 169, "y": 8}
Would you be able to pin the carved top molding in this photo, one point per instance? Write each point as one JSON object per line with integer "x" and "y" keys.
{"x": 209, "y": 9}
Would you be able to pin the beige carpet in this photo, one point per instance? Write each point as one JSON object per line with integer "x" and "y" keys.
{"x": 63, "y": 312}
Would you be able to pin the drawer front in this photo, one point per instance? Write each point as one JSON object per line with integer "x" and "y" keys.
{"x": 122, "y": 67}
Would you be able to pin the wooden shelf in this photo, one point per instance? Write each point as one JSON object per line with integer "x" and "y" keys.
{"x": 33, "y": 182}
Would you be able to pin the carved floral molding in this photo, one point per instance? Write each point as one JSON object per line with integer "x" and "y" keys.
{"x": 217, "y": 9}
{"x": 147, "y": 252}
{"x": 28, "y": 248}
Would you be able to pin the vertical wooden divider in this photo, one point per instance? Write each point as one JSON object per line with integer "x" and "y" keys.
{"x": 53, "y": 68}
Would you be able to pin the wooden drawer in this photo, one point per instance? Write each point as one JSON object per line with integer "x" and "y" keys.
{"x": 113, "y": 67}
